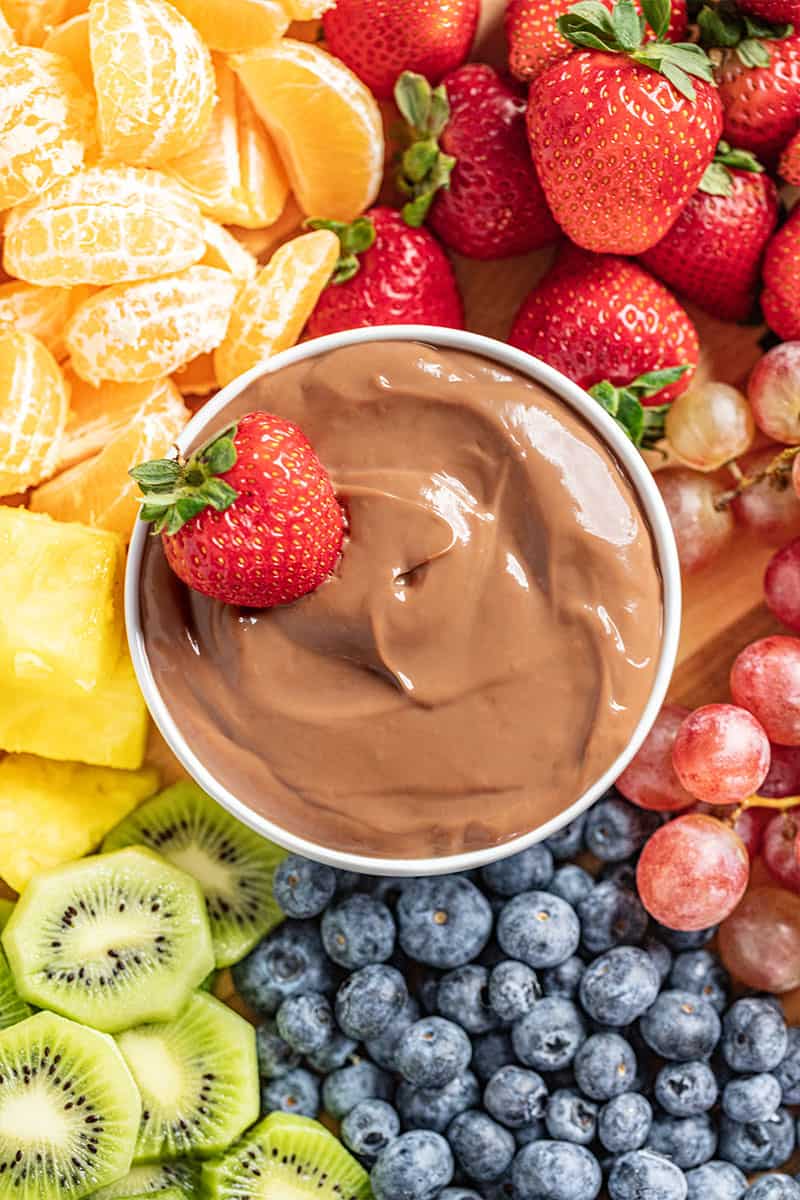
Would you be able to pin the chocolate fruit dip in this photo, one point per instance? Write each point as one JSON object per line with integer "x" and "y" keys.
{"x": 486, "y": 646}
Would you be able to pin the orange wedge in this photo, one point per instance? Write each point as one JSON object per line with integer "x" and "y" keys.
{"x": 97, "y": 415}
{"x": 197, "y": 378}
{"x": 32, "y": 20}
{"x": 307, "y": 10}
{"x": 71, "y": 41}
{"x": 99, "y": 491}
{"x": 34, "y": 398}
{"x": 7, "y": 38}
{"x": 263, "y": 242}
{"x": 42, "y": 311}
{"x": 271, "y": 310}
{"x": 236, "y": 24}
{"x": 324, "y": 121}
{"x": 226, "y": 253}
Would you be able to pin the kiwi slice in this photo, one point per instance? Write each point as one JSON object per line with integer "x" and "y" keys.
{"x": 110, "y": 941}
{"x": 233, "y": 865}
{"x": 12, "y": 1008}
{"x": 161, "y": 1194}
{"x": 69, "y": 1110}
{"x": 198, "y": 1078}
{"x": 176, "y": 1181}
{"x": 288, "y": 1157}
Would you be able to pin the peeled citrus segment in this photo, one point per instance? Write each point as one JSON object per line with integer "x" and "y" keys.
{"x": 46, "y": 121}
{"x": 324, "y": 121}
{"x": 42, "y": 311}
{"x": 34, "y": 398}
{"x": 223, "y": 251}
{"x": 32, "y": 20}
{"x": 7, "y": 38}
{"x": 271, "y": 310}
{"x": 97, "y": 415}
{"x": 197, "y": 378}
{"x": 154, "y": 80}
{"x": 307, "y": 10}
{"x": 263, "y": 242}
{"x": 236, "y": 24}
{"x": 104, "y": 225}
{"x": 71, "y": 41}
{"x": 139, "y": 331}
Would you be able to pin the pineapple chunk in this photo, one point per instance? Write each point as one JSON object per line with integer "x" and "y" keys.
{"x": 53, "y": 812}
{"x": 61, "y": 617}
{"x": 106, "y": 726}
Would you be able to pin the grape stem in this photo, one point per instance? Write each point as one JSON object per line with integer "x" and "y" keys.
{"x": 763, "y": 802}
{"x": 776, "y": 471}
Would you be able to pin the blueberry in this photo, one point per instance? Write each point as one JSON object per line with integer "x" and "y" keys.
{"x": 286, "y": 962}
{"x": 547, "y": 1038}
{"x": 623, "y": 873}
{"x": 605, "y": 1066}
{"x": 358, "y": 930}
{"x": 459, "y": 1193}
{"x": 681, "y": 1026}
{"x": 342, "y": 1090}
{"x": 515, "y": 1096}
{"x": 490, "y": 1052}
{"x": 619, "y": 985}
{"x": 463, "y": 996}
{"x": 787, "y": 1071}
{"x": 679, "y": 939}
{"x": 427, "y": 989}
{"x": 482, "y": 1148}
{"x": 616, "y": 830}
{"x": 565, "y": 979}
{"x": 568, "y": 842}
{"x": 275, "y": 1056}
{"x": 570, "y": 1117}
{"x": 336, "y": 1053}
{"x": 435, "y": 1108}
{"x": 383, "y": 1048}
{"x": 701, "y": 972}
{"x": 643, "y": 1175}
{"x": 443, "y": 921}
{"x": 523, "y": 872}
{"x": 687, "y": 1141}
{"x": 774, "y": 1187}
{"x": 539, "y": 929}
{"x": 369, "y": 1000}
{"x": 716, "y": 1180}
{"x": 611, "y": 915}
{"x": 296, "y": 1091}
{"x": 571, "y": 883}
{"x": 752, "y": 1097}
{"x": 433, "y": 1052}
{"x": 415, "y": 1166}
{"x": 301, "y": 887}
{"x": 686, "y": 1089}
{"x": 513, "y": 990}
{"x": 757, "y": 1145}
{"x": 369, "y": 1127}
{"x": 550, "y": 1170}
{"x": 306, "y": 1022}
{"x": 754, "y": 1036}
{"x": 661, "y": 956}
{"x": 534, "y": 1131}
{"x": 624, "y": 1122}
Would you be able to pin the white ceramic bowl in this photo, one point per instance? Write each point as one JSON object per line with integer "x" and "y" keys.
{"x": 649, "y": 498}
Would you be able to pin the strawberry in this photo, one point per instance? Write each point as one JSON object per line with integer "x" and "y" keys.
{"x": 251, "y": 518}
{"x": 712, "y": 254}
{"x": 780, "y": 299}
{"x": 469, "y": 163}
{"x": 621, "y": 136}
{"x": 777, "y": 12}
{"x": 389, "y": 274}
{"x": 380, "y": 38}
{"x": 789, "y": 165}
{"x": 600, "y": 317}
{"x": 534, "y": 40}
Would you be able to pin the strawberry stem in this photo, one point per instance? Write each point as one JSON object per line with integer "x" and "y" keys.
{"x": 174, "y": 491}
{"x": 717, "y": 179}
{"x": 644, "y": 425}
{"x": 424, "y": 168}
{"x": 354, "y": 238}
{"x": 722, "y": 25}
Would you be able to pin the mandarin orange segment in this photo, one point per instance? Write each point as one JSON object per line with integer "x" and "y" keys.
{"x": 46, "y": 121}
{"x": 271, "y": 310}
{"x": 32, "y": 20}
{"x": 263, "y": 242}
{"x": 236, "y": 24}
{"x": 307, "y": 10}
{"x": 137, "y": 331}
{"x": 34, "y": 398}
{"x": 235, "y": 174}
{"x": 104, "y": 225}
{"x": 198, "y": 377}
{"x": 42, "y": 311}
{"x": 71, "y": 41}
{"x": 324, "y": 121}
{"x": 153, "y": 77}
{"x": 99, "y": 491}
{"x": 7, "y": 38}
{"x": 223, "y": 251}
{"x": 98, "y": 414}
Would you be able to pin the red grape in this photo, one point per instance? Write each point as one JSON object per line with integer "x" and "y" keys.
{"x": 780, "y": 850}
{"x": 750, "y": 826}
{"x": 783, "y": 777}
{"x": 692, "y": 872}
{"x": 701, "y": 531}
{"x": 760, "y": 943}
{"x": 765, "y": 678}
{"x": 774, "y": 393}
{"x": 771, "y": 508}
{"x": 650, "y": 780}
{"x": 721, "y": 754}
{"x": 782, "y": 584}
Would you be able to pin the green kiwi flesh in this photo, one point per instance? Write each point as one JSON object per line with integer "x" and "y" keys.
{"x": 286, "y": 1157}
{"x": 172, "y": 1180}
{"x": 69, "y": 1110}
{"x": 162, "y": 1194}
{"x": 12, "y": 1008}
{"x": 110, "y": 941}
{"x": 198, "y": 1078}
{"x": 233, "y": 865}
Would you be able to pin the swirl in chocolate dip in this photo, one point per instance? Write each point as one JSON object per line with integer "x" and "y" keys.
{"x": 489, "y": 639}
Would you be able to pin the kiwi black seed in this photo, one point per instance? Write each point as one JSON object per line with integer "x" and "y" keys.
{"x": 110, "y": 941}
{"x": 233, "y": 865}
{"x": 198, "y": 1079}
{"x": 294, "y": 1151}
{"x": 167, "y": 1181}
{"x": 69, "y": 1110}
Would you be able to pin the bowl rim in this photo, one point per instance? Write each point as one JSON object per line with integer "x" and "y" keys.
{"x": 666, "y": 556}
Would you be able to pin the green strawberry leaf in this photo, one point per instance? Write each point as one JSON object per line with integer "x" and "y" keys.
{"x": 424, "y": 168}
{"x": 628, "y": 25}
{"x": 175, "y": 491}
{"x": 657, "y": 14}
{"x": 718, "y": 28}
{"x": 643, "y": 425}
{"x": 716, "y": 180}
{"x": 354, "y": 239}
{"x": 412, "y": 95}
{"x": 753, "y": 53}
{"x": 161, "y": 474}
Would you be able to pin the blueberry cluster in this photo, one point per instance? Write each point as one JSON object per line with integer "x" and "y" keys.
{"x": 523, "y": 1032}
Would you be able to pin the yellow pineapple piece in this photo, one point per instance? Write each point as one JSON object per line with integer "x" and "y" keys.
{"x": 53, "y": 812}
{"x": 106, "y": 726}
{"x": 61, "y": 616}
